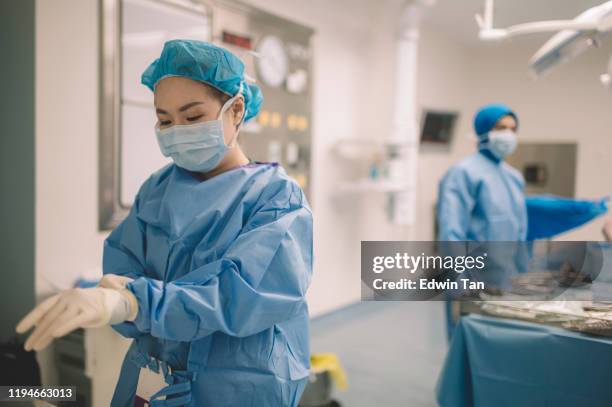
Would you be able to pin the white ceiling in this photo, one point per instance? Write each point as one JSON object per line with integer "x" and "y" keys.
{"x": 456, "y": 17}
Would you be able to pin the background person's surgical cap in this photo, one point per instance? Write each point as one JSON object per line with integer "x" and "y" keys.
{"x": 488, "y": 115}
{"x": 206, "y": 63}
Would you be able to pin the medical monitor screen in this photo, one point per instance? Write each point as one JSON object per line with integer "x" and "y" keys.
{"x": 438, "y": 126}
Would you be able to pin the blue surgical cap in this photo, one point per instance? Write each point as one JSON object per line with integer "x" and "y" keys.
{"x": 204, "y": 62}
{"x": 488, "y": 115}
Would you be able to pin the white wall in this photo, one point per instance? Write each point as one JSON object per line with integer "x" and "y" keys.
{"x": 443, "y": 83}
{"x": 67, "y": 238}
{"x": 353, "y": 69}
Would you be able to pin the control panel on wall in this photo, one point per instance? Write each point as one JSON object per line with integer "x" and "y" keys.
{"x": 277, "y": 55}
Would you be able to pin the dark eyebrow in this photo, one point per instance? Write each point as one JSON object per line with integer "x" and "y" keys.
{"x": 182, "y": 108}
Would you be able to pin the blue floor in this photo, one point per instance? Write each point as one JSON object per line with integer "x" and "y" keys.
{"x": 392, "y": 351}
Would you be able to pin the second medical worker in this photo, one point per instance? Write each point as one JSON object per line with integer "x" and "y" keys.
{"x": 209, "y": 271}
{"x": 482, "y": 198}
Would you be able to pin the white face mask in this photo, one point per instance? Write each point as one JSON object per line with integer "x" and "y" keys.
{"x": 502, "y": 143}
{"x": 196, "y": 147}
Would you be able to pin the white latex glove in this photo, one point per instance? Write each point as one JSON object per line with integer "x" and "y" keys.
{"x": 77, "y": 308}
{"x": 114, "y": 281}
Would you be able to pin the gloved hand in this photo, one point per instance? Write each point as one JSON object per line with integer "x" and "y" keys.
{"x": 77, "y": 308}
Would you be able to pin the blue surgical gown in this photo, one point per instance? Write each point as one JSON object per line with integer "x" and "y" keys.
{"x": 482, "y": 199}
{"x": 220, "y": 270}
{"x": 551, "y": 215}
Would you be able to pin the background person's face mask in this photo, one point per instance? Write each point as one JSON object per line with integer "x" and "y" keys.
{"x": 501, "y": 143}
{"x": 198, "y": 147}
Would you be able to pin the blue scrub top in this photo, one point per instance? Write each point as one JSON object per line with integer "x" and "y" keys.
{"x": 220, "y": 269}
{"x": 482, "y": 199}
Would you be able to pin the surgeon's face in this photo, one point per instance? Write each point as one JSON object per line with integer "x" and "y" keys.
{"x": 506, "y": 123}
{"x": 183, "y": 101}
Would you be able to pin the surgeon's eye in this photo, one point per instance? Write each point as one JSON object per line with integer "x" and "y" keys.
{"x": 164, "y": 122}
{"x": 194, "y": 118}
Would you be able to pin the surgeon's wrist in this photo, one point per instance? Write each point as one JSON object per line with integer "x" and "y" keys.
{"x": 122, "y": 305}
{"x": 132, "y": 304}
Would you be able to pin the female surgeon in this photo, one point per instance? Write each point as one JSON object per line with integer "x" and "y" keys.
{"x": 209, "y": 271}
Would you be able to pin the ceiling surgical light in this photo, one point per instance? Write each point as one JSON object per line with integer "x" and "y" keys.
{"x": 572, "y": 39}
